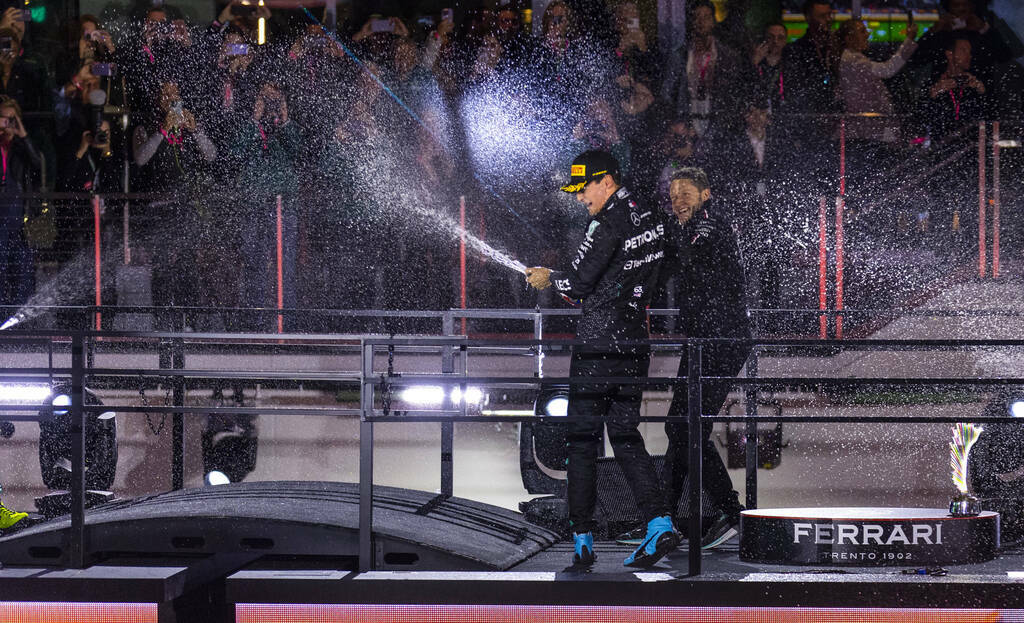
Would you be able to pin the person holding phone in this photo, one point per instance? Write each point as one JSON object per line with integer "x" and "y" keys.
{"x": 766, "y": 60}
{"x": 230, "y": 90}
{"x": 19, "y": 157}
{"x": 378, "y": 26}
{"x": 862, "y": 89}
{"x": 243, "y": 16}
{"x": 267, "y": 147}
{"x": 957, "y": 97}
{"x": 170, "y": 147}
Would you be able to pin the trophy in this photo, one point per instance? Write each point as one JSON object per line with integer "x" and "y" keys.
{"x": 964, "y": 436}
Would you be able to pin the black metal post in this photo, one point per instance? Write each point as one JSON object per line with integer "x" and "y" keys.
{"x": 77, "y": 432}
{"x": 751, "y": 430}
{"x": 696, "y": 437}
{"x": 448, "y": 428}
{"x": 366, "y": 557}
{"x": 178, "y": 419}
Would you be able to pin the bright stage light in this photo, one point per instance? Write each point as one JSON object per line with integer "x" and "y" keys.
{"x": 1017, "y": 408}
{"x": 473, "y": 396}
{"x": 230, "y": 443}
{"x": 24, "y": 394}
{"x": 557, "y": 405}
{"x": 433, "y": 395}
{"x": 423, "y": 394}
{"x": 217, "y": 477}
{"x": 55, "y": 440}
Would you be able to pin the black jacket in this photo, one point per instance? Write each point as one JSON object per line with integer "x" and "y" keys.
{"x": 711, "y": 286}
{"x": 615, "y": 270}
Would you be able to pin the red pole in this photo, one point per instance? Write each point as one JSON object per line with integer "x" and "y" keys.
{"x": 981, "y": 199}
{"x": 96, "y": 253}
{"x": 462, "y": 257}
{"x": 995, "y": 198}
{"x": 822, "y": 268}
{"x": 280, "y": 270}
{"x": 842, "y": 157}
{"x": 840, "y": 204}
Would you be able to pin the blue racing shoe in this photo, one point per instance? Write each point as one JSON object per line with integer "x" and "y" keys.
{"x": 584, "y": 555}
{"x": 661, "y": 539}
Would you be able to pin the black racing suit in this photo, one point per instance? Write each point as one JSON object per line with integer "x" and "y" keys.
{"x": 615, "y": 273}
{"x": 712, "y": 303}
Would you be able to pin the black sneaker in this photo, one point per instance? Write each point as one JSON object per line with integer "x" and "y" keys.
{"x": 723, "y": 529}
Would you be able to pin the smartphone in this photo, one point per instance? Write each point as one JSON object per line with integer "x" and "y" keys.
{"x": 447, "y": 15}
{"x": 3, "y": 122}
{"x": 238, "y": 49}
{"x": 910, "y": 16}
{"x": 6, "y": 44}
{"x": 176, "y": 107}
{"x": 634, "y": 23}
{"x": 24, "y": 15}
{"x": 382, "y": 25}
{"x": 242, "y": 10}
{"x": 426, "y": 21}
{"x": 103, "y": 69}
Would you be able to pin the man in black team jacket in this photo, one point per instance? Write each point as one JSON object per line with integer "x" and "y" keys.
{"x": 711, "y": 287}
{"x": 614, "y": 273}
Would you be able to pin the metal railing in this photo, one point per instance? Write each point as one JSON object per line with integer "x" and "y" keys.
{"x": 452, "y": 352}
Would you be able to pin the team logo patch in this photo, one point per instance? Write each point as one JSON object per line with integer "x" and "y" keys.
{"x": 635, "y": 218}
{"x": 579, "y": 170}
{"x": 593, "y": 226}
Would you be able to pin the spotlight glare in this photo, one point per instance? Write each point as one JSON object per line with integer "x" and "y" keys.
{"x": 62, "y": 400}
{"x": 423, "y": 394}
{"x": 24, "y": 394}
{"x": 558, "y": 406}
{"x": 216, "y": 477}
{"x": 473, "y": 396}
{"x": 1017, "y": 408}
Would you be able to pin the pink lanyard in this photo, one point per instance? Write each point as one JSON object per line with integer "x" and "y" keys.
{"x": 956, "y": 104}
{"x": 152, "y": 59}
{"x": 263, "y": 136}
{"x": 704, "y": 69}
{"x": 782, "y": 94}
{"x": 3, "y": 152}
{"x": 172, "y": 139}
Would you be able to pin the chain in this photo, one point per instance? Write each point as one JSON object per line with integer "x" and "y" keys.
{"x": 385, "y": 399}
{"x": 156, "y": 430}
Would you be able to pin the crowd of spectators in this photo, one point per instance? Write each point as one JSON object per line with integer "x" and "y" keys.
{"x": 364, "y": 140}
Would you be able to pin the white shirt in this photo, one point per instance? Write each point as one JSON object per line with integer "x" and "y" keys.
{"x": 863, "y": 91}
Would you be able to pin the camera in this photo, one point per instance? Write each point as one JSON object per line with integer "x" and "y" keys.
{"x": 242, "y": 10}
{"x": 6, "y": 44}
{"x": 100, "y": 137}
{"x": 103, "y": 69}
{"x": 4, "y": 122}
{"x": 961, "y": 81}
